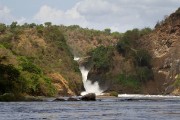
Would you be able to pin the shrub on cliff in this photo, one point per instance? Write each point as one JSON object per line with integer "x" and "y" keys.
{"x": 101, "y": 57}
{"x": 129, "y": 41}
{"x": 144, "y": 74}
{"x": 9, "y": 79}
{"x": 142, "y": 58}
{"x": 2, "y": 27}
{"x": 177, "y": 82}
{"x": 27, "y": 65}
{"x": 128, "y": 81}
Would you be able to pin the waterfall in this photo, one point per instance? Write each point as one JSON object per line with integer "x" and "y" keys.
{"x": 88, "y": 85}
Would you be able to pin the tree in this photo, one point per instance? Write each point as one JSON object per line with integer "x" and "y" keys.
{"x": 101, "y": 57}
{"x": 9, "y": 76}
{"x": 40, "y": 29}
{"x": 116, "y": 35}
{"x": 2, "y": 27}
{"x": 32, "y": 25}
{"x": 107, "y": 31}
{"x": 145, "y": 31}
{"x": 13, "y": 25}
{"x": 47, "y": 24}
{"x": 142, "y": 58}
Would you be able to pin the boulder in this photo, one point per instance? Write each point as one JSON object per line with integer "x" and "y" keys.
{"x": 73, "y": 99}
{"x": 59, "y": 99}
{"x": 89, "y": 97}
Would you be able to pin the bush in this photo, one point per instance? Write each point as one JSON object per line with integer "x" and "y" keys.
{"x": 123, "y": 47}
{"x": 116, "y": 35}
{"x": 2, "y": 28}
{"x": 9, "y": 79}
{"x": 114, "y": 93}
{"x": 27, "y": 65}
{"x": 5, "y": 40}
{"x": 144, "y": 74}
{"x": 101, "y": 57}
{"x": 142, "y": 58}
{"x": 32, "y": 25}
{"x": 40, "y": 29}
{"x": 145, "y": 31}
{"x": 38, "y": 84}
{"x": 177, "y": 82}
{"x": 107, "y": 31}
{"x": 7, "y": 97}
{"x": 13, "y": 25}
{"x": 129, "y": 80}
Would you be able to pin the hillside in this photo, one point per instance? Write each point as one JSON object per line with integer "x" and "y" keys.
{"x": 143, "y": 61}
{"x": 40, "y": 57}
{"x": 37, "y": 58}
{"x": 83, "y": 40}
{"x": 164, "y": 46}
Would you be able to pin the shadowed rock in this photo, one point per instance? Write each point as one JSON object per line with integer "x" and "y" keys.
{"x": 89, "y": 97}
{"x": 59, "y": 99}
{"x": 73, "y": 99}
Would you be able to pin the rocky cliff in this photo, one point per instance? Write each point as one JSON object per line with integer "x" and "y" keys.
{"x": 148, "y": 64}
{"x": 164, "y": 45}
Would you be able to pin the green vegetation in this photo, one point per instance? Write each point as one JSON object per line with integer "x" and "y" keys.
{"x": 114, "y": 93}
{"x": 177, "y": 82}
{"x": 126, "y": 67}
{"x": 9, "y": 79}
{"x": 128, "y": 47}
{"x": 2, "y": 27}
{"x": 101, "y": 57}
{"x": 83, "y": 40}
{"x": 18, "y": 81}
{"x": 33, "y": 58}
{"x": 107, "y": 31}
{"x": 29, "y": 54}
{"x": 129, "y": 81}
{"x": 28, "y": 66}
{"x": 142, "y": 58}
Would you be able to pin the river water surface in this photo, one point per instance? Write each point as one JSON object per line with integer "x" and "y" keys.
{"x": 122, "y": 108}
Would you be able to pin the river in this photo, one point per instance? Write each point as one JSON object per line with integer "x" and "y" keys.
{"x": 121, "y": 108}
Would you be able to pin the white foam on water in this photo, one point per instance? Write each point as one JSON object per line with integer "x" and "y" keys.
{"x": 146, "y": 96}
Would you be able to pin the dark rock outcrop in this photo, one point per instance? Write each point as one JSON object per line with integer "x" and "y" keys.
{"x": 59, "y": 99}
{"x": 89, "y": 97}
{"x": 73, "y": 99}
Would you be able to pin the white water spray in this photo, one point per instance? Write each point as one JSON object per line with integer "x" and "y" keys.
{"x": 88, "y": 85}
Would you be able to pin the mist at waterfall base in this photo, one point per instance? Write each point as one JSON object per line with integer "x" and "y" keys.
{"x": 88, "y": 85}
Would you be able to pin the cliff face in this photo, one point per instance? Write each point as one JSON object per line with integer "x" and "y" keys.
{"x": 164, "y": 45}
{"x": 161, "y": 76}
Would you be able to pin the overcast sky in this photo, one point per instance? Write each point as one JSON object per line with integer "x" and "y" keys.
{"x": 119, "y": 15}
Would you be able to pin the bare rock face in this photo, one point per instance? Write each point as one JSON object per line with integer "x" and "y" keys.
{"x": 61, "y": 84}
{"x": 89, "y": 97}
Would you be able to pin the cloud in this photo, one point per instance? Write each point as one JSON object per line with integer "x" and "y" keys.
{"x": 7, "y": 17}
{"x": 57, "y": 16}
{"x": 5, "y": 14}
{"x": 122, "y": 15}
